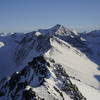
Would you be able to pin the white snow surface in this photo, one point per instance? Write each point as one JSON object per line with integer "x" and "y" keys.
{"x": 89, "y": 92}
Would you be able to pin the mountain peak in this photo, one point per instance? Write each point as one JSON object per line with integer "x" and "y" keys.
{"x": 51, "y": 30}
{"x": 57, "y": 26}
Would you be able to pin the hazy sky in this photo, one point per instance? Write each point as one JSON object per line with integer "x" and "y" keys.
{"x": 27, "y": 15}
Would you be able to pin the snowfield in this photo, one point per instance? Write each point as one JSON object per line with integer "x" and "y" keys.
{"x": 1, "y": 44}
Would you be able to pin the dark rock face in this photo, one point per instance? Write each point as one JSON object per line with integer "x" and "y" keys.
{"x": 39, "y": 64}
{"x": 29, "y": 94}
{"x": 37, "y": 69}
{"x": 67, "y": 86}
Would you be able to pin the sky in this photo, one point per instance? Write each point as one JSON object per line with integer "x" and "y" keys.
{"x": 29, "y": 15}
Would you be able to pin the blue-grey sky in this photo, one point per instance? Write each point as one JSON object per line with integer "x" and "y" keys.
{"x": 28, "y": 15}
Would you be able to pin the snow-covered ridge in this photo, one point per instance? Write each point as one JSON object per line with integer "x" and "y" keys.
{"x": 65, "y": 54}
{"x": 41, "y": 40}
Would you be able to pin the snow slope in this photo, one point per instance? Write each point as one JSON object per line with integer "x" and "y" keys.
{"x": 76, "y": 63}
{"x": 88, "y": 91}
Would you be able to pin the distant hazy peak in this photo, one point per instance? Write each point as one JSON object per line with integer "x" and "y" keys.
{"x": 95, "y": 31}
